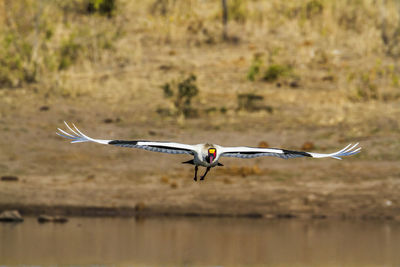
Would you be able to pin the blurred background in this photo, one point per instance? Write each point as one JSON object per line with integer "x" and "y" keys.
{"x": 309, "y": 75}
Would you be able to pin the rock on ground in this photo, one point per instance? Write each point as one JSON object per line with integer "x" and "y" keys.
{"x": 11, "y": 216}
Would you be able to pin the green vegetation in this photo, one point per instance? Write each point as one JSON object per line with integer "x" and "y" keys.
{"x": 69, "y": 52}
{"x": 15, "y": 62}
{"x": 36, "y": 43}
{"x": 255, "y": 67}
{"x": 276, "y": 71}
{"x": 374, "y": 84}
{"x": 272, "y": 73}
{"x": 103, "y": 7}
{"x": 182, "y": 93}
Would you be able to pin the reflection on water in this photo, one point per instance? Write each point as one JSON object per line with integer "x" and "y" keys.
{"x": 200, "y": 242}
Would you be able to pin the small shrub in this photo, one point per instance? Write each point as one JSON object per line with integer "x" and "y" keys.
{"x": 164, "y": 112}
{"x": 395, "y": 80}
{"x": 276, "y": 71}
{"x": 167, "y": 90}
{"x": 255, "y": 68}
{"x": 366, "y": 92}
{"x": 390, "y": 35}
{"x": 182, "y": 94}
{"x": 252, "y": 102}
{"x": 273, "y": 72}
{"x": 249, "y": 102}
{"x": 313, "y": 8}
{"x": 16, "y": 64}
{"x": 103, "y": 7}
{"x": 69, "y": 52}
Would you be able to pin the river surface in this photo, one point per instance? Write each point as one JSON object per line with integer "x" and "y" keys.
{"x": 200, "y": 241}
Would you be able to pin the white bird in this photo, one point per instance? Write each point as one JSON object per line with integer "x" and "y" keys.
{"x": 206, "y": 155}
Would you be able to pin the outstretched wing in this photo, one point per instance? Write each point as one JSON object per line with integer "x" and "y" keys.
{"x": 252, "y": 152}
{"x": 165, "y": 147}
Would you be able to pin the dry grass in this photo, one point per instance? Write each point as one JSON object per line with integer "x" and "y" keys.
{"x": 336, "y": 50}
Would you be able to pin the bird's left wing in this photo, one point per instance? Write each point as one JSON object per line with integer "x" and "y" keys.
{"x": 252, "y": 152}
{"x": 165, "y": 147}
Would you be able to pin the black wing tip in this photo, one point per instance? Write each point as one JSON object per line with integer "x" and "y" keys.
{"x": 292, "y": 152}
{"x": 122, "y": 142}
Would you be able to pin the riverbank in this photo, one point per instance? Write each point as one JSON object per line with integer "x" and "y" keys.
{"x": 302, "y": 189}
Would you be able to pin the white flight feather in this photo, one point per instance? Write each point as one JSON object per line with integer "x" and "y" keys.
{"x": 79, "y": 137}
{"x": 347, "y": 151}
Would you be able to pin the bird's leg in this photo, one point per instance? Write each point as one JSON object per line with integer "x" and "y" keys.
{"x": 195, "y": 172}
{"x": 202, "y": 177}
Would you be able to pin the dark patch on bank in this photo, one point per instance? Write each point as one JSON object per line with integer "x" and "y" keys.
{"x": 37, "y": 210}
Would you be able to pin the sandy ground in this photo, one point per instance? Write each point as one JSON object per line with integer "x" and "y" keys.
{"x": 56, "y": 177}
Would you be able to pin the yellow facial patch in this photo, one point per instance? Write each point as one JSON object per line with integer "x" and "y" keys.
{"x": 211, "y": 150}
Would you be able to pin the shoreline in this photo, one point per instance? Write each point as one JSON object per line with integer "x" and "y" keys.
{"x": 97, "y": 211}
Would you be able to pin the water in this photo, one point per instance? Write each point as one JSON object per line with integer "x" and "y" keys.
{"x": 200, "y": 242}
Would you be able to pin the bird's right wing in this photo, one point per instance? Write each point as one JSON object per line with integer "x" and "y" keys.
{"x": 165, "y": 147}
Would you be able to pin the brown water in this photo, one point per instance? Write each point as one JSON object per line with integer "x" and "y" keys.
{"x": 200, "y": 242}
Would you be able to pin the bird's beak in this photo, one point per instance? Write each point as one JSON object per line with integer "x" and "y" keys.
{"x": 211, "y": 158}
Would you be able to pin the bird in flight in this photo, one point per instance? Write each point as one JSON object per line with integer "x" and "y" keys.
{"x": 206, "y": 155}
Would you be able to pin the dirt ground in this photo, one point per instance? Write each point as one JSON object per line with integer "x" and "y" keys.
{"x": 56, "y": 177}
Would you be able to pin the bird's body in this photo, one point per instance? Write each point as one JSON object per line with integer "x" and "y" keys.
{"x": 205, "y": 155}
{"x": 200, "y": 156}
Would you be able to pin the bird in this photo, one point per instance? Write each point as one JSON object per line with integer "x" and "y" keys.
{"x": 205, "y": 155}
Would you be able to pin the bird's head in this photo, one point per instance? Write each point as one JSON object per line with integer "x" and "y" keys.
{"x": 212, "y": 154}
